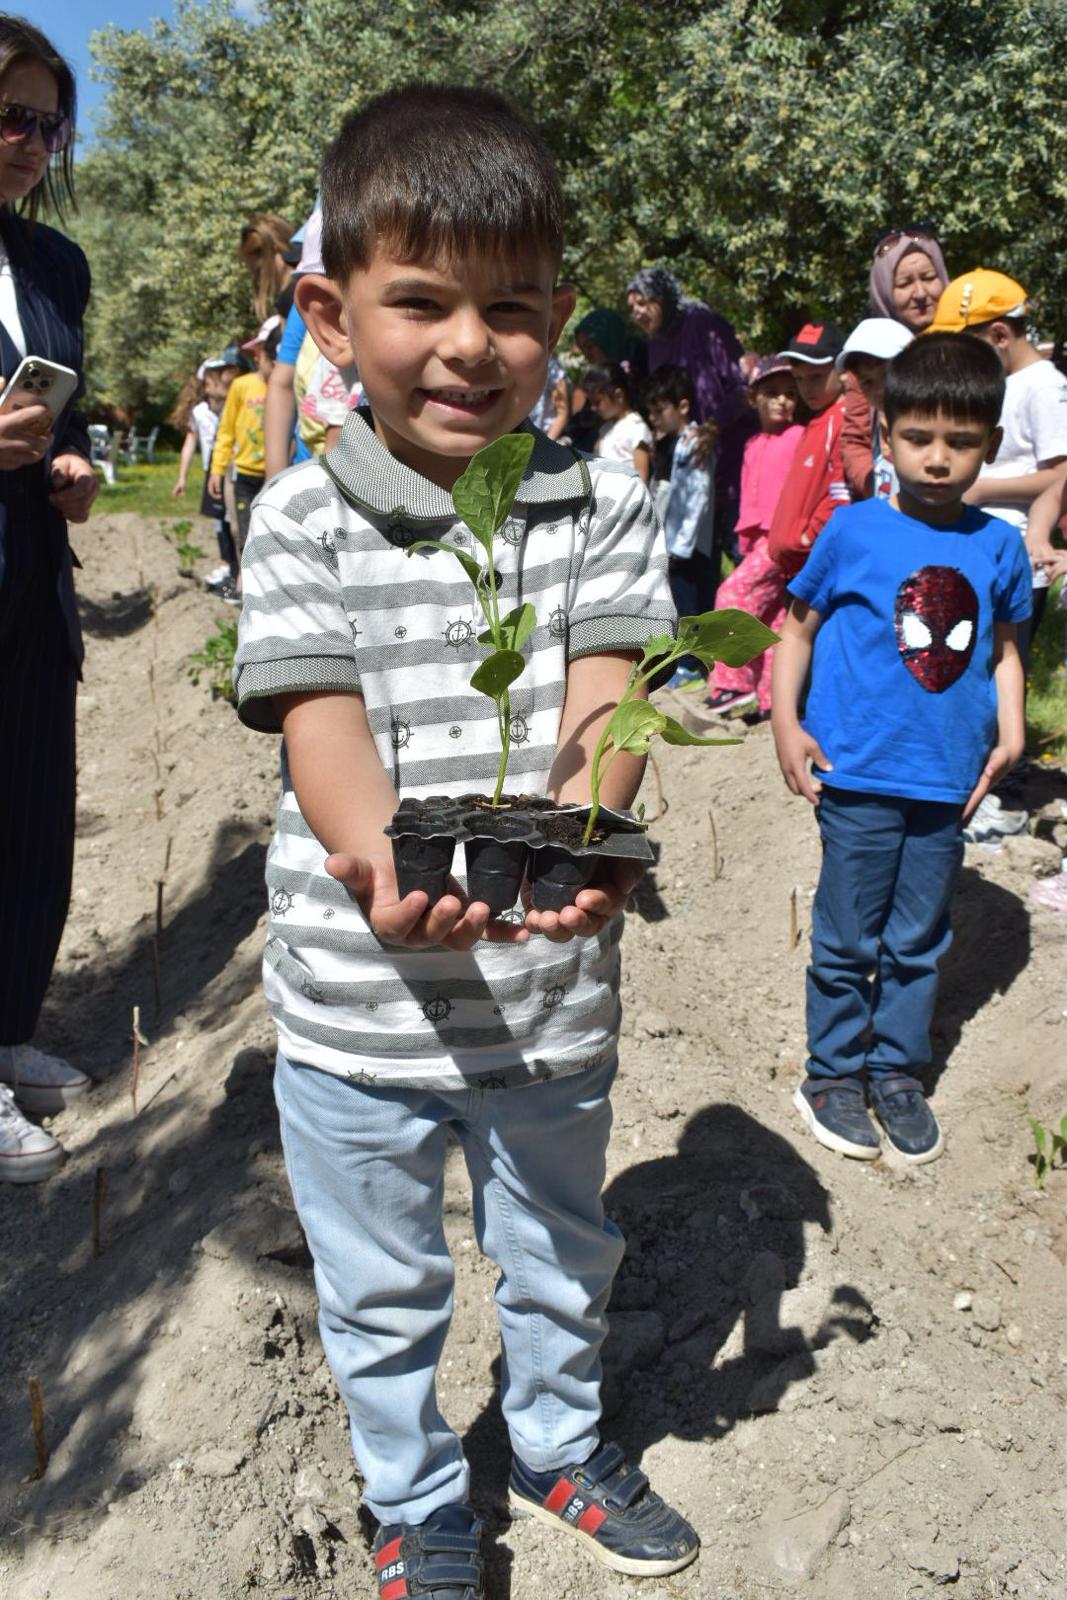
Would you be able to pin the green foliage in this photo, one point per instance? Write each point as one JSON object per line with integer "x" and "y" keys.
{"x": 754, "y": 145}
{"x": 145, "y": 488}
{"x": 214, "y": 660}
{"x": 1049, "y": 1147}
{"x": 483, "y": 497}
{"x": 729, "y": 635}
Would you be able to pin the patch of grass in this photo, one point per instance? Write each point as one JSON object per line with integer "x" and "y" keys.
{"x": 147, "y": 490}
{"x": 1046, "y": 695}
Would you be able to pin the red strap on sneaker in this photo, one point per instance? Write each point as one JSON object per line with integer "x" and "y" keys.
{"x": 591, "y": 1519}
{"x": 392, "y": 1580}
{"x": 563, "y": 1491}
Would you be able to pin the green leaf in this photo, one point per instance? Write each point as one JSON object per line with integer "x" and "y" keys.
{"x": 634, "y": 724}
{"x": 674, "y": 733}
{"x": 1040, "y": 1134}
{"x": 662, "y": 645}
{"x": 474, "y": 572}
{"x": 497, "y": 672}
{"x": 485, "y": 493}
{"x": 731, "y": 636}
{"x": 518, "y": 625}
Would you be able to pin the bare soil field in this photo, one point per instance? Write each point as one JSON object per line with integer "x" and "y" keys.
{"x": 850, "y": 1377}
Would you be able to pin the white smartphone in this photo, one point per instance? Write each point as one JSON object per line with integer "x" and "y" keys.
{"x": 37, "y": 382}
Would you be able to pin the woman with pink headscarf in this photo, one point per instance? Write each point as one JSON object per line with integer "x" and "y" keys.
{"x": 908, "y": 273}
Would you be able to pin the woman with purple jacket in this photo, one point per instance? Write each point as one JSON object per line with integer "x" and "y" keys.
{"x": 686, "y": 333}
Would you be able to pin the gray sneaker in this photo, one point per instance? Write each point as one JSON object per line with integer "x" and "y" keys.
{"x": 992, "y": 822}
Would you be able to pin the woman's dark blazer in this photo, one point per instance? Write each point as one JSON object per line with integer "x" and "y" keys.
{"x": 52, "y": 288}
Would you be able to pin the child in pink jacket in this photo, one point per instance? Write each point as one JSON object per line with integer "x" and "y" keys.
{"x": 757, "y": 583}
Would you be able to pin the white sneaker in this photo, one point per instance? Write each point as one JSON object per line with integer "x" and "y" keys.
{"x": 27, "y": 1153}
{"x": 41, "y": 1083}
{"x": 991, "y": 822}
{"x": 217, "y": 576}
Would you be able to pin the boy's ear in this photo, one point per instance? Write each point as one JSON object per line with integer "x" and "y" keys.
{"x": 564, "y": 298}
{"x": 995, "y": 440}
{"x": 883, "y": 428}
{"x": 319, "y": 302}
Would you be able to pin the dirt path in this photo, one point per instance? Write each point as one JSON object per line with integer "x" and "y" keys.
{"x": 849, "y": 1373}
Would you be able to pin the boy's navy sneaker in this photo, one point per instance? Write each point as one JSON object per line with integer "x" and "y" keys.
{"x": 836, "y": 1112}
{"x": 907, "y": 1121}
{"x": 438, "y": 1558}
{"x": 609, "y": 1506}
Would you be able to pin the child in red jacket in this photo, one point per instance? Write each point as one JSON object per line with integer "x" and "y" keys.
{"x": 815, "y": 485}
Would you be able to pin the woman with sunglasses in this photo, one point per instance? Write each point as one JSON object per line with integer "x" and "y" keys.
{"x": 46, "y": 480}
{"x": 907, "y": 276}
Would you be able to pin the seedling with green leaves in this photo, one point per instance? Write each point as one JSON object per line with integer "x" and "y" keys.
{"x": 483, "y": 497}
{"x": 731, "y": 636}
{"x": 215, "y": 659}
{"x": 1049, "y": 1147}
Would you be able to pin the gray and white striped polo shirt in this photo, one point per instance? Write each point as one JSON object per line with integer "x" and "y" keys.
{"x": 333, "y": 601}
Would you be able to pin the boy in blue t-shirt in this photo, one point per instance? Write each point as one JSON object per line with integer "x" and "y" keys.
{"x": 906, "y": 614}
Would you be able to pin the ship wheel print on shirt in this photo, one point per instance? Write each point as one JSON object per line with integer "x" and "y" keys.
{"x": 459, "y": 634}
{"x": 936, "y": 625}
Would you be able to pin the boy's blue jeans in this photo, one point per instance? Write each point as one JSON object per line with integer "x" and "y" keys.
{"x": 880, "y": 925}
{"x": 367, "y": 1171}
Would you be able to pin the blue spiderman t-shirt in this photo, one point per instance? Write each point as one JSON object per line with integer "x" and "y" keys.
{"x": 902, "y": 699}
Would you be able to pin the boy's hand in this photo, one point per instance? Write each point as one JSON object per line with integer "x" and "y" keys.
{"x": 594, "y": 908}
{"x": 1002, "y": 758}
{"x": 451, "y": 922}
{"x": 796, "y": 749}
{"x": 214, "y": 486}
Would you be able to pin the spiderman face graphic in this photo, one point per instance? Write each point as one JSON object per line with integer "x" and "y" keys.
{"x": 936, "y": 626}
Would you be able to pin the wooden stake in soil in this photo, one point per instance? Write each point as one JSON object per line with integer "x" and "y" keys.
{"x": 99, "y": 1196}
{"x": 138, "y": 1040}
{"x": 716, "y": 863}
{"x": 157, "y": 937}
{"x": 37, "y": 1411}
{"x": 794, "y": 925}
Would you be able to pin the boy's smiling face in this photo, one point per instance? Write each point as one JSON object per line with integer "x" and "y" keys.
{"x": 451, "y": 354}
{"x": 937, "y": 458}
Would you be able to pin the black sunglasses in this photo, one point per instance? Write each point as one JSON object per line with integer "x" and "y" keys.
{"x": 889, "y": 237}
{"x": 19, "y": 123}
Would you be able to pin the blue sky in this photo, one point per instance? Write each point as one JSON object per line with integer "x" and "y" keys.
{"x": 68, "y": 23}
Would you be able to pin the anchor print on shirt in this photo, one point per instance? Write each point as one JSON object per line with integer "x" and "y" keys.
{"x": 936, "y": 622}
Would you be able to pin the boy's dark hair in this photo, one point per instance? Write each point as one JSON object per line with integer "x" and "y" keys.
{"x": 669, "y": 385}
{"x": 605, "y": 380}
{"x": 271, "y": 343}
{"x": 433, "y": 170}
{"x": 951, "y": 373}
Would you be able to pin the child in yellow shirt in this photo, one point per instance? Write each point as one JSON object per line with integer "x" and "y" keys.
{"x": 240, "y": 435}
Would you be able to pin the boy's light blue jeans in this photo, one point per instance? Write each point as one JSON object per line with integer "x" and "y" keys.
{"x": 367, "y": 1167}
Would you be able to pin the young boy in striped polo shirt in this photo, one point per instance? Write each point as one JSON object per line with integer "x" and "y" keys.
{"x": 400, "y": 1025}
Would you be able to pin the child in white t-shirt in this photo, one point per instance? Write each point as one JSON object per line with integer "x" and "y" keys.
{"x": 1032, "y": 455}
{"x": 625, "y": 436}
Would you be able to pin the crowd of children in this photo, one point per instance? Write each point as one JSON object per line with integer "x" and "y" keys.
{"x": 871, "y": 491}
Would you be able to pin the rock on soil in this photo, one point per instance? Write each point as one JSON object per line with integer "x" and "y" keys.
{"x": 850, "y": 1377}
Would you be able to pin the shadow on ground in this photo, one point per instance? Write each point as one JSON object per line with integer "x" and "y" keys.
{"x": 87, "y": 1015}
{"x": 990, "y": 948}
{"x": 715, "y": 1236}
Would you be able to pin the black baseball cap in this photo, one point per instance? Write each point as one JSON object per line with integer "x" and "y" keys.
{"x": 817, "y": 343}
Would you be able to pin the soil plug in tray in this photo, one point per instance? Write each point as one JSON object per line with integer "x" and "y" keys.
{"x": 522, "y": 837}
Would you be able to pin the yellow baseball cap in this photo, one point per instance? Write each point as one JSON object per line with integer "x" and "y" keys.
{"x": 979, "y": 296}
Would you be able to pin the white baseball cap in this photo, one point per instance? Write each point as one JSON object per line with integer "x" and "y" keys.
{"x": 882, "y": 337}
